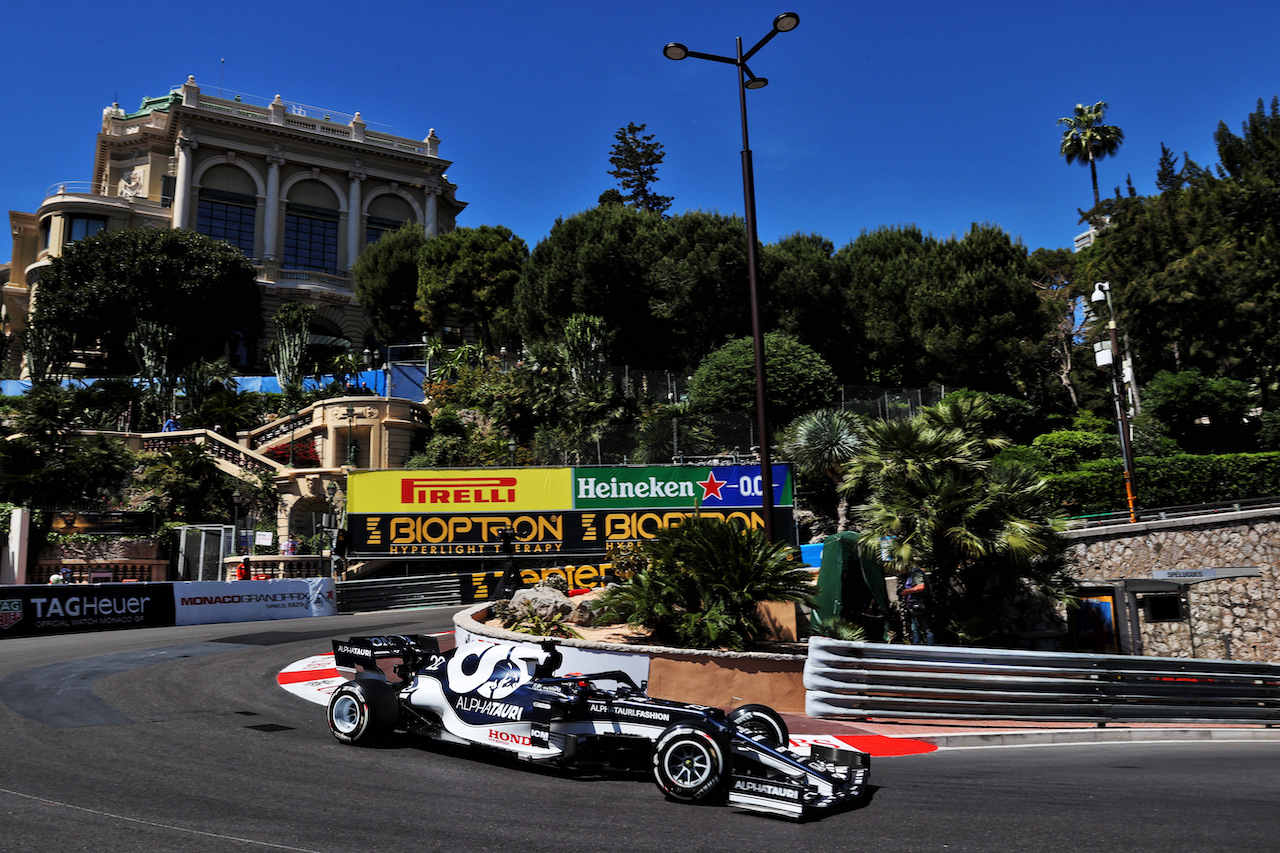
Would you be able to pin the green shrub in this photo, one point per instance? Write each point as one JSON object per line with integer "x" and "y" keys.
{"x": 525, "y": 620}
{"x": 1067, "y": 449}
{"x": 1027, "y": 457}
{"x": 798, "y": 380}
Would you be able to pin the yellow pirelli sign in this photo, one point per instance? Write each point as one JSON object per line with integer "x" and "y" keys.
{"x": 463, "y": 491}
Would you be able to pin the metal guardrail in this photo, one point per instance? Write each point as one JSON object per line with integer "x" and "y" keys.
{"x": 402, "y": 593}
{"x": 857, "y": 680}
{"x": 1167, "y": 513}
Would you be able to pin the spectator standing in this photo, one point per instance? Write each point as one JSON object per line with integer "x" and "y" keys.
{"x": 917, "y": 604}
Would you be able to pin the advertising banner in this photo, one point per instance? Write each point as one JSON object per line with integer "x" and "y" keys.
{"x": 484, "y": 586}
{"x": 570, "y": 512}
{"x": 251, "y": 601}
{"x": 30, "y": 611}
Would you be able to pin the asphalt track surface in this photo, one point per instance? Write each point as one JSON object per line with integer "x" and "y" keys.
{"x": 180, "y": 739}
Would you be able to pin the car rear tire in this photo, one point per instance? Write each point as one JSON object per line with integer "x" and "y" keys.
{"x": 762, "y": 724}
{"x": 363, "y": 712}
{"x": 690, "y": 763}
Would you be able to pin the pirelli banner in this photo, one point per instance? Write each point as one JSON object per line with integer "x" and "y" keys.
{"x": 569, "y": 512}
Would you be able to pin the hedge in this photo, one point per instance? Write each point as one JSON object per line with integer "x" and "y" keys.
{"x": 1161, "y": 481}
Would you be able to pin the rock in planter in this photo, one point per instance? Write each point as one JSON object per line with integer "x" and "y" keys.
{"x": 545, "y": 603}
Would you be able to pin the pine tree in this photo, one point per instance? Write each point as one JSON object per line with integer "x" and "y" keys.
{"x": 1167, "y": 176}
{"x": 635, "y": 160}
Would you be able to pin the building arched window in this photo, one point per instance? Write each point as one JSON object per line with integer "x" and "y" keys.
{"x": 387, "y": 213}
{"x": 227, "y": 207}
{"x": 311, "y": 229}
{"x": 227, "y": 216}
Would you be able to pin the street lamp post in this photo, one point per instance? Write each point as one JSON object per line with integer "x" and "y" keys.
{"x": 351, "y": 447}
{"x": 784, "y": 23}
{"x": 1102, "y": 293}
{"x": 235, "y": 521}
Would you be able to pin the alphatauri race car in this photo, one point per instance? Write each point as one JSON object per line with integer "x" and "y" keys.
{"x": 507, "y": 697}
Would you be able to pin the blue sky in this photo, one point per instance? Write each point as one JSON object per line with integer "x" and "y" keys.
{"x": 938, "y": 114}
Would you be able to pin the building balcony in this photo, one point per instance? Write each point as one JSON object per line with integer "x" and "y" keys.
{"x": 95, "y": 192}
{"x": 338, "y": 285}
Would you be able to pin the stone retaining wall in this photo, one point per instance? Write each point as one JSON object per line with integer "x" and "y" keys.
{"x": 1242, "y": 613}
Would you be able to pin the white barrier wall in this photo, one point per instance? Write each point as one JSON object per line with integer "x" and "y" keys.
{"x": 251, "y": 601}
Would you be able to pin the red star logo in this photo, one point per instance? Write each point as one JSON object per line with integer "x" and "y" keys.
{"x": 711, "y": 487}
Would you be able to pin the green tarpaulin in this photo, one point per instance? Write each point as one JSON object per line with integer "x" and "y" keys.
{"x": 850, "y": 582}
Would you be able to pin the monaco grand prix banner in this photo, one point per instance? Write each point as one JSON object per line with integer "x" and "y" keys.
{"x": 253, "y": 601}
{"x": 551, "y": 512}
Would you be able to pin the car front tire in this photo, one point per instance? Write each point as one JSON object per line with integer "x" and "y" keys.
{"x": 690, "y": 763}
{"x": 762, "y": 724}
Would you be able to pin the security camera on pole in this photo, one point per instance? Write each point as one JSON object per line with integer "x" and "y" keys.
{"x": 1105, "y": 354}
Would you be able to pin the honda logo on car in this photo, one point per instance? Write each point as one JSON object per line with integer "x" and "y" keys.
{"x": 500, "y": 736}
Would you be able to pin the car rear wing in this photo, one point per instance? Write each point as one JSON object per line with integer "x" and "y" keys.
{"x": 392, "y": 658}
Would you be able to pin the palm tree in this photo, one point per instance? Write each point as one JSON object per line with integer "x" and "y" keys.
{"x": 940, "y": 501}
{"x": 1087, "y": 139}
{"x": 823, "y": 442}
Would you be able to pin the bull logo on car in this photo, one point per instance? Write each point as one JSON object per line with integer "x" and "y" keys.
{"x": 493, "y": 672}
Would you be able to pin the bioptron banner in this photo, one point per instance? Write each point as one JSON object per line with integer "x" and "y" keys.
{"x": 570, "y": 512}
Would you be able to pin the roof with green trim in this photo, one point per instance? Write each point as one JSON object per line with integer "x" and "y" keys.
{"x": 150, "y": 105}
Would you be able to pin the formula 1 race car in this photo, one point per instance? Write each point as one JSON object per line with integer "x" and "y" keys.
{"x": 505, "y": 696}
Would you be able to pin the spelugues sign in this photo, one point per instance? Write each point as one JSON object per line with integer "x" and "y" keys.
{"x": 568, "y": 512}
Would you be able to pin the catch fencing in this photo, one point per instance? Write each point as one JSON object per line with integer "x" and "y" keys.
{"x": 859, "y": 680}
{"x": 726, "y": 438}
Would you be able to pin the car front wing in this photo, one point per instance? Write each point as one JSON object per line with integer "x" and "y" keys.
{"x": 785, "y": 782}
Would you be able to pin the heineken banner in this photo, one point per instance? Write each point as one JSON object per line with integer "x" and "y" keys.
{"x": 546, "y": 511}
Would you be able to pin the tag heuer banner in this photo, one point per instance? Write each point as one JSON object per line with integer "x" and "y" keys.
{"x": 546, "y": 511}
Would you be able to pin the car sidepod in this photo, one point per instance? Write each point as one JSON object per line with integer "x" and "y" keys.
{"x": 485, "y": 694}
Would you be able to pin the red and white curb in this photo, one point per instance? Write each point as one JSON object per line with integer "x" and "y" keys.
{"x": 312, "y": 678}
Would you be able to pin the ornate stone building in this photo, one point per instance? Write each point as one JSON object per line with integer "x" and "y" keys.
{"x": 299, "y": 190}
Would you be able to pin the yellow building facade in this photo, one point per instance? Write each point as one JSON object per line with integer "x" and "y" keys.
{"x": 300, "y": 190}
